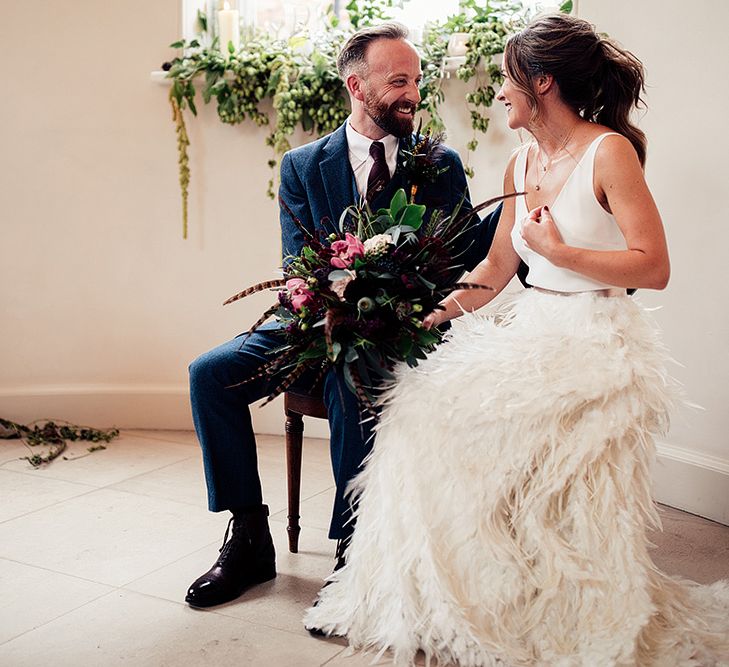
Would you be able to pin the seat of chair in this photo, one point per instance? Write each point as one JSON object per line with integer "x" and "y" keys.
{"x": 310, "y": 404}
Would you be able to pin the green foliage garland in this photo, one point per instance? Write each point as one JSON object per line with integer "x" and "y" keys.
{"x": 299, "y": 76}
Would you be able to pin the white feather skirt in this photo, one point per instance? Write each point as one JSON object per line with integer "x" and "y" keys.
{"x": 502, "y": 513}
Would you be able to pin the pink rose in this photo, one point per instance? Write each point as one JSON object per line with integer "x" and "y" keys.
{"x": 346, "y": 251}
{"x": 300, "y": 295}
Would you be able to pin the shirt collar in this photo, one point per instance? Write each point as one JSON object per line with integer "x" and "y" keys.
{"x": 359, "y": 146}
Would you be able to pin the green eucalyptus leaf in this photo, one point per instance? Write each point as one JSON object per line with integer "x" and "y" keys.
{"x": 566, "y": 7}
{"x": 427, "y": 283}
{"x": 336, "y": 349}
{"x": 397, "y": 230}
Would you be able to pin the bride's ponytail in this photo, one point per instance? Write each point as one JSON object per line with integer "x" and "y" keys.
{"x": 617, "y": 91}
{"x": 597, "y": 78}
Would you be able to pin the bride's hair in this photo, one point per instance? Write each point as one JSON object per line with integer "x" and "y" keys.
{"x": 596, "y": 77}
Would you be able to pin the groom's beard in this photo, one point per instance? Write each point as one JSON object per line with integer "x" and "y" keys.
{"x": 387, "y": 119}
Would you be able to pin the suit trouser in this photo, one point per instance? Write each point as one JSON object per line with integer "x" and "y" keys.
{"x": 222, "y": 419}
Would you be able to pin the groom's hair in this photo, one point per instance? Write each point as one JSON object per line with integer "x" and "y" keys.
{"x": 352, "y": 57}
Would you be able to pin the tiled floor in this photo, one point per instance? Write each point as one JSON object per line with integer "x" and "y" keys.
{"x": 96, "y": 554}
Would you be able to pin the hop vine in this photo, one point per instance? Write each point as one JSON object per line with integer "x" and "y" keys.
{"x": 298, "y": 77}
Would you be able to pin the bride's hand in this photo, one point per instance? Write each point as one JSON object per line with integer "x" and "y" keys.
{"x": 540, "y": 233}
{"x": 432, "y": 319}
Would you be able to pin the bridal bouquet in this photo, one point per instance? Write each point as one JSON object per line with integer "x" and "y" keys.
{"x": 357, "y": 298}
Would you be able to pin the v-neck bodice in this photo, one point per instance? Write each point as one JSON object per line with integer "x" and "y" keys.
{"x": 579, "y": 217}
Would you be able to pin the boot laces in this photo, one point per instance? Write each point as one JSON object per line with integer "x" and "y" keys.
{"x": 237, "y": 536}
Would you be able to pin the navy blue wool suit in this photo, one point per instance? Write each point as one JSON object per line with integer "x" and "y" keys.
{"x": 317, "y": 184}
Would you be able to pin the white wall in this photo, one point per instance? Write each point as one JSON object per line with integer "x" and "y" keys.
{"x": 103, "y": 304}
{"x": 685, "y": 52}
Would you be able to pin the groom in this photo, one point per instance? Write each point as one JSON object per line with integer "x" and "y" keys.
{"x": 381, "y": 71}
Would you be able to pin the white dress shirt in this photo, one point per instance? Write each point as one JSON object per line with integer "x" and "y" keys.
{"x": 360, "y": 159}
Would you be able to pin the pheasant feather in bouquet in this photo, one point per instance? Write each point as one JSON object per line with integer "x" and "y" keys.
{"x": 357, "y": 298}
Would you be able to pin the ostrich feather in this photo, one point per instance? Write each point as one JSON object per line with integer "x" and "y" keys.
{"x": 502, "y": 513}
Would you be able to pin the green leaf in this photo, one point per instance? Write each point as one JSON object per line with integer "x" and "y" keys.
{"x": 178, "y": 44}
{"x": 566, "y": 7}
{"x": 297, "y": 41}
{"x": 398, "y": 203}
{"x": 382, "y": 222}
{"x": 426, "y": 337}
{"x": 427, "y": 283}
{"x": 336, "y": 349}
{"x": 413, "y": 216}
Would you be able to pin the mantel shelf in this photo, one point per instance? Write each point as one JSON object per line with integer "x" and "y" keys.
{"x": 450, "y": 65}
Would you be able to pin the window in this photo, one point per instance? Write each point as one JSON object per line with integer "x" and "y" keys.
{"x": 285, "y": 17}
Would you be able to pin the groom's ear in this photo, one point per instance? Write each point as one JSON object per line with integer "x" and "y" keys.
{"x": 355, "y": 87}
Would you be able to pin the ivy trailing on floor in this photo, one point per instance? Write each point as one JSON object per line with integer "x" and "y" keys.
{"x": 46, "y": 433}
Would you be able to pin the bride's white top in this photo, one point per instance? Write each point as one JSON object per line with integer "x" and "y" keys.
{"x": 580, "y": 219}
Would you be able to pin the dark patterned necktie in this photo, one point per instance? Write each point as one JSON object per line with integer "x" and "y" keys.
{"x": 380, "y": 173}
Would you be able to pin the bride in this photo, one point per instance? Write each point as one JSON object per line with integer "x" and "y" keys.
{"x": 502, "y": 514}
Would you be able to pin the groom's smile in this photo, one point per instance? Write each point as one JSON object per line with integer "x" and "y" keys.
{"x": 389, "y": 85}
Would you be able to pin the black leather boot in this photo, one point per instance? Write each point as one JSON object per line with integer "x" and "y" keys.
{"x": 246, "y": 559}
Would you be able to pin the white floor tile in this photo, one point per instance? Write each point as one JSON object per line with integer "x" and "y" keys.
{"x": 23, "y": 493}
{"x": 124, "y": 457}
{"x": 183, "y": 482}
{"x": 279, "y": 603}
{"x": 315, "y": 511}
{"x": 125, "y": 628}
{"x": 32, "y": 596}
{"x": 11, "y": 453}
{"x": 134, "y": 516}
{"x": 349, "y": 658}
{"x": 109, "y": 536}
{"x": 180, "y": 437}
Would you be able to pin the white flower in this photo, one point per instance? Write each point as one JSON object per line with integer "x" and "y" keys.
{"x": 377, "y": 244}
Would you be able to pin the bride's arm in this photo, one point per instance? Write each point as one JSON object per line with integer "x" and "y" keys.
{"x": 619, "y": 181}
{"x": 496, "y": 270}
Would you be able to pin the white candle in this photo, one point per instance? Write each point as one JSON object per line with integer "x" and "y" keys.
{"x": 228, "y": 29}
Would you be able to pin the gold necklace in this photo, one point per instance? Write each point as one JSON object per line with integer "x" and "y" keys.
{"x": 546, "y": 167}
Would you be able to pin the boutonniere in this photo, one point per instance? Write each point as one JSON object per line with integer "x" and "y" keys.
{"x": 418, "y": 159}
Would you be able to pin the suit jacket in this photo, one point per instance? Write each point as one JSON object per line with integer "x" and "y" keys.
{"x": 317, "y": 185}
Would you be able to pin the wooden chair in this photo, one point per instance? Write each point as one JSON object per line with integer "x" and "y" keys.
{"x": 297, "y": 404}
